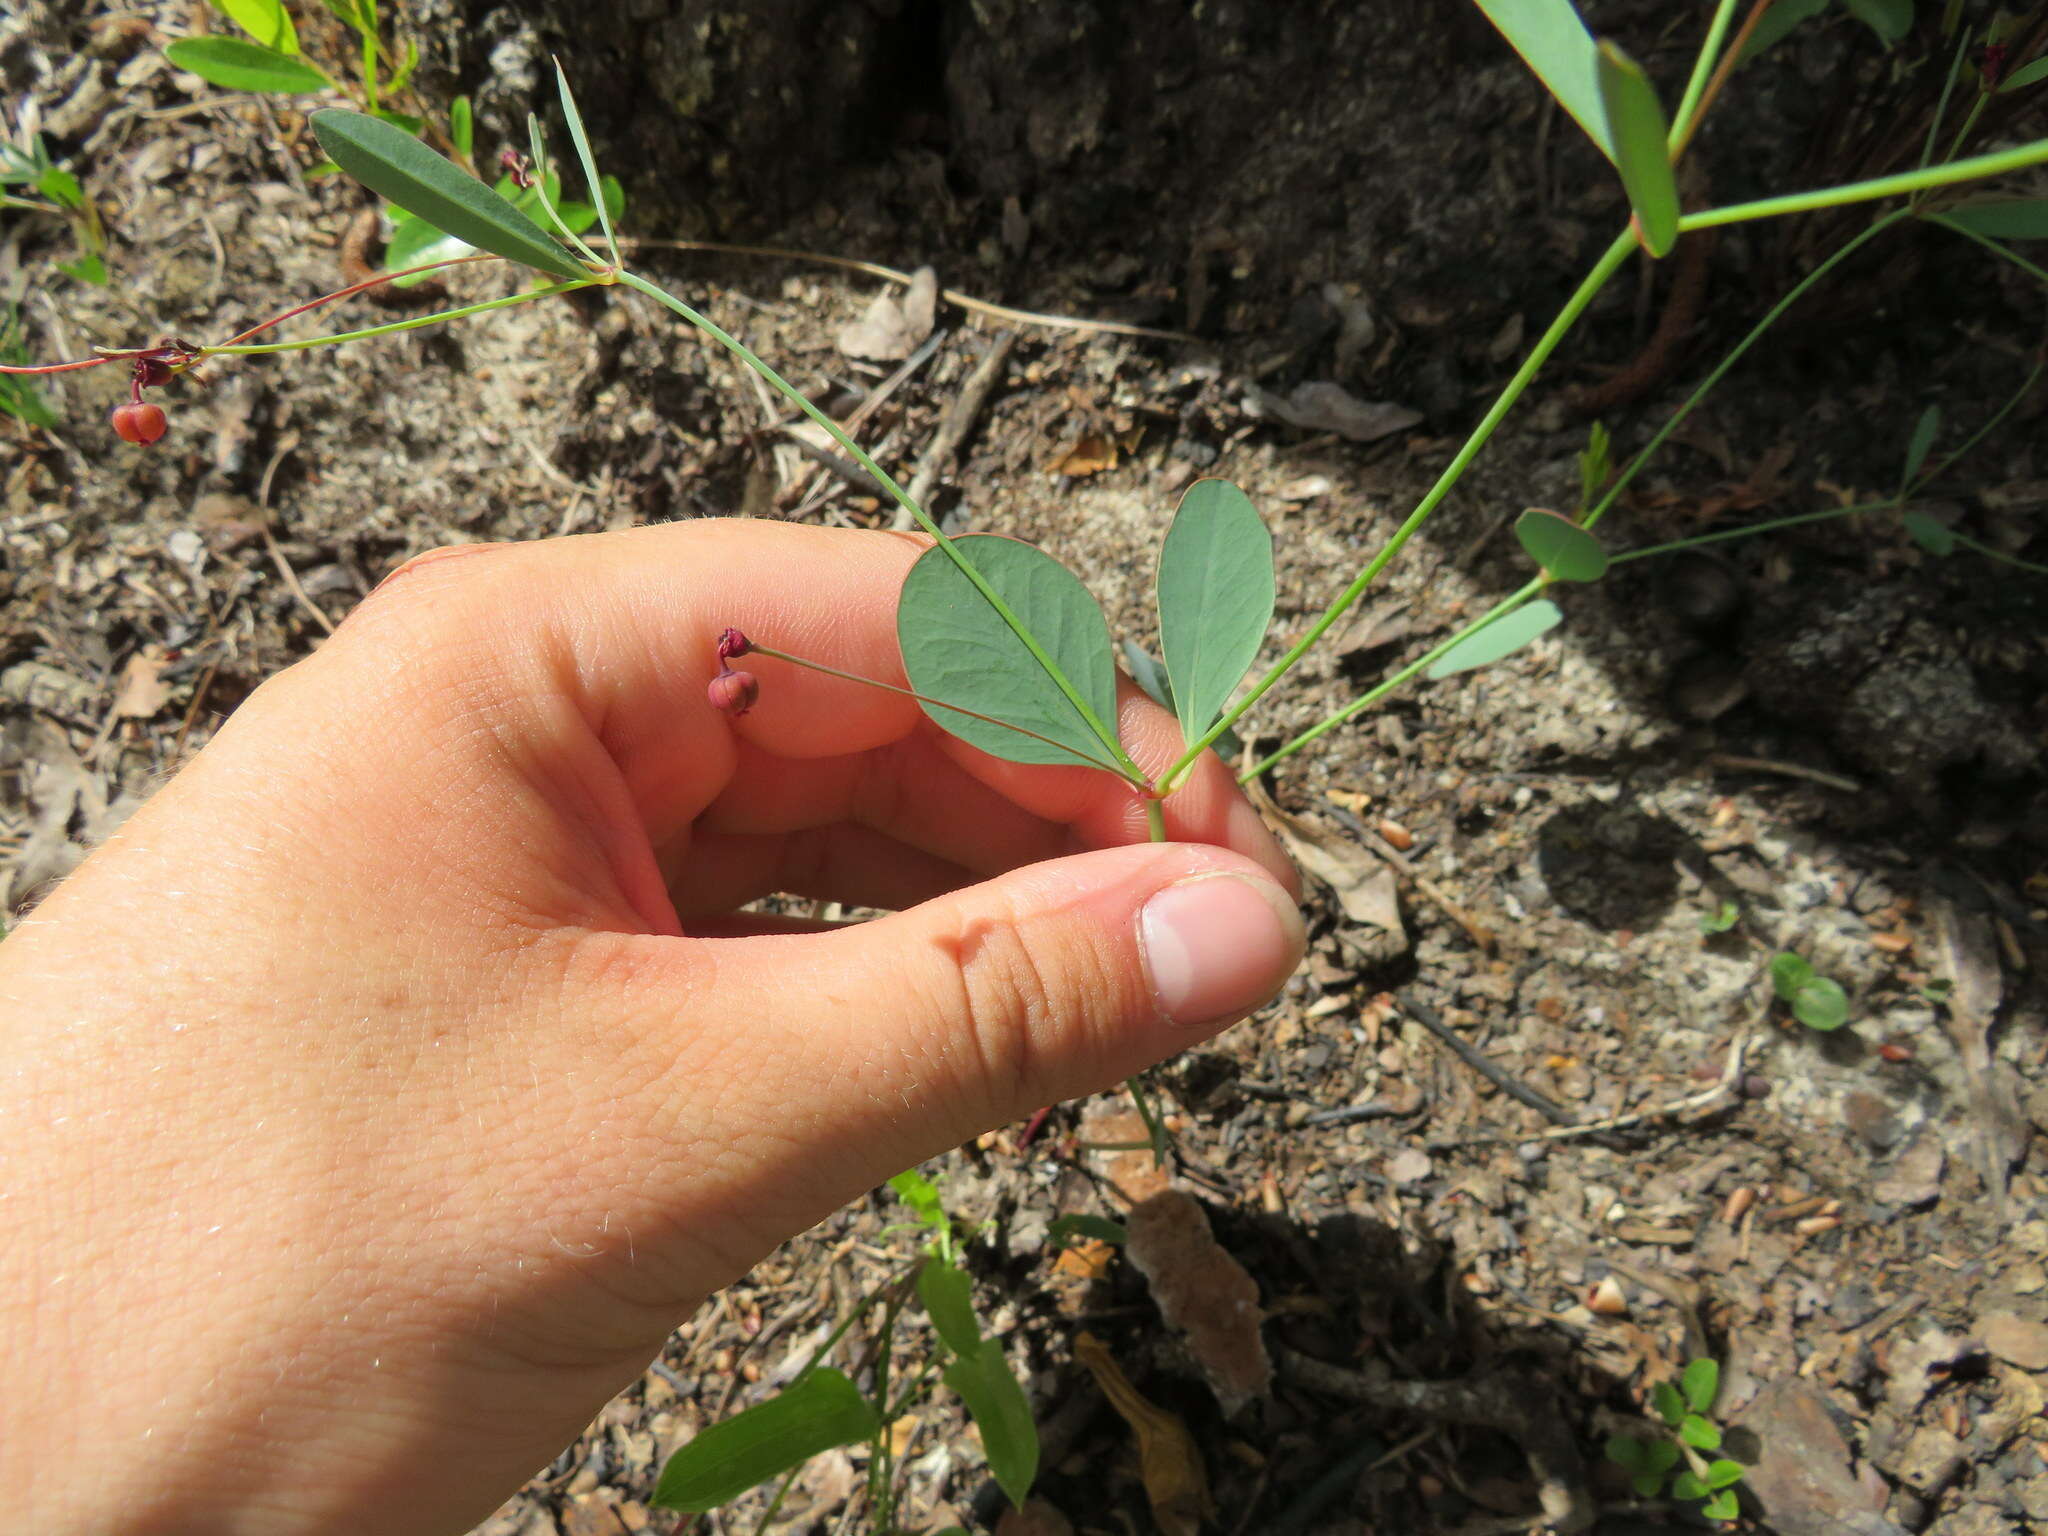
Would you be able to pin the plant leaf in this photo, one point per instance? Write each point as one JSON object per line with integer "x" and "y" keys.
{"x": 402, "y": 121}
{"x": 1789, "y": 972}
{"x": 922, "y": 1196}
{"x": 1821, "y": 1004}
{"x": 1930, "y": 533}
{"x": 1721, "y": 1506}
{"x": 234, "y": 65}
{"x": 414, "y": 243}
{"x": 1009, "y": 1435}
{"x": 1555, "y": 44}
{"x": 1638, "y": 133}
{"x": 1564, "y": 550}
{"x": 265, "y": 20}
{"x": 1724, "y": 1474}
{"x": 1701, "y": 1383}
{"x": 1625, "y": 1451}
{"x": 1067, "y": 1230}
{"x": 1215, "y": 595}
{"x": 1891, "y": 20}
{"x": 61, "y": 187}
{"x": 1924, "y": 432}
{"x": 2026, "y": 75}
{"x": 1661, "y": 1457}
{"x": 86, "y": 269}
{"x": 1669, "y": 1405}
{"x": 1778, "y": 20}
{"x": 948, "y": 1297}
{"x": 1687, "y": 1485}
{"x": 1646, "y": 1484}
{"x": 582, "y": 142}
{"x": 957, "y": 649}
{"x": 2020, "y": 218}
{"x": 462, "y": 127}
{"x": 1699, "y": 1433}
{"x": 399, "y": 167}
{"x": 815, "y": 1413}
{"x": 1503, "y": 637}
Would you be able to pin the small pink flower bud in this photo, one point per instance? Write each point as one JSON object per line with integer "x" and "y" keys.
{"x": 732, "y": 643}
{"x": 733, "y": 692}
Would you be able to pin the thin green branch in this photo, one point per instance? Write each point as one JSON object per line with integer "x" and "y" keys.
{"x": 1682, "y": 124}
{"x": 1989, "y": 244}
{"x": 441, "y": 317}
{"x": 1903, "y": 184}
{"x": 1997, "y": 554}
{"x": 1948, "y": 86}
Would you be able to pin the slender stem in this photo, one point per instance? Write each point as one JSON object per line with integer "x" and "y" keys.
{"x": 1155, "y": 819}
{"x": 1974, "y": 169}
{"x": 397, "y": 325}
{"x": 2005, "y": 410}
{"x": 958, "y": 709}
{"x": 90, "y": 362}
{"x": 1609, "y": 262}
{"x": 1365, "y": 701}
{"x": 349, "y": 292}
{"x": 1147, "y": 1112}
{"x": 1735, "y": 354}
{"x": 775, "y": 1504}
{"x": 903, "y": 498}
{"x": 1989, "y": 244}
{"x": 1997, "y": 554}
{"x": 1976, "y": 111}
{"x": 1699, "y": 94}
{"x": 1750, "y": 530}
{"x": 1955, "y": 73}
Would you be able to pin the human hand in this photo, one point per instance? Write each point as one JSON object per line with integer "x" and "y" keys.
{"x": 380, "y": 1098}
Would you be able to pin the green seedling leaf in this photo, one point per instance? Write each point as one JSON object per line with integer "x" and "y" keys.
{"x": 1930, "y": 533}
{"x": 1503, "y": 637}
{"x": 957, "y": 649}
{"x": 1068, "y": 1230}
{"x": 401, "y": 121}
{"x": 399, "y": 167}
{"x": 234, "y": 65}
{"x": 1009, "y": 1435}
{"x": 922, "y": 1196}
{"x": 1724, "y": 1474}
{"x": 324, "y": 168}
{"x": 576, "y": 217}
{"x": 1555, "y": 44}
{"x": 1215, "y": 599}
{"x": 86, "y": 269}
{"x": 265, "y": 20}
{"x": 1924, "y": 432}
{"x": 1821, "y": 1004}
{"x": 1564, "y": 550}
{"x": 19, "y": 396}
{"x": 348, "y": 12}
{"x": 1699, "y": 1433}
{"x": 948, "y": 1297}
{"x": 402, "y": 76}
{"x": 1638, "y": 133}
{"x": 2022, "y": 218}
{"x": 1661, "y": 1457}
{"x": 1147, "y": 672}
{"x": 1721, "y": 919}
{"x": 462, "y": 127}
{"x": 1721, "y": 1506}
{"x": 60, "y": 187}
{"x": 582, "y": 142}
{"x": 1687, "y": 1485}
{"x": 1701, "y": 1384}
{"x": 819, "y": 1411}
{"x": 1646, "y": 1484}
{"x": 1891, "y": 20}
{"x": 1625, "y": 1451}
{"x": 1595, "y": 464}
{"x": 1789, "y": 972}
{"x": 2026, "y": 75}
{"x": 1669, "y": 1405}
{"x": 1779, "y": 20}
{"x": 414, "y": 243}
{"x": 613, "y": 200}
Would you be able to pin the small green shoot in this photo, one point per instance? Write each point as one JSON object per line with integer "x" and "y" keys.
{"x": 1723, "y": 918}
{"x": 19, "y": 397}
{"x": 1817, "y": 1002}
{"x": 1686, "y": 1408}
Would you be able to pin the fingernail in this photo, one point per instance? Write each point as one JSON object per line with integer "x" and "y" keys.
{"x": 1218, "y": 946}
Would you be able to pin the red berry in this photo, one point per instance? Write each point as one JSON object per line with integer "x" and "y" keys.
{"x": 138, "y": 423}
{"x": 733, "y": 692}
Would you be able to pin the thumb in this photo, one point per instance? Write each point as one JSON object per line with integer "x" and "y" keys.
{"x": 873, "y": 1047}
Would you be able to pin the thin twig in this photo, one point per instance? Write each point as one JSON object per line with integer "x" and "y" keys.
{"x": 1737, "y": 764}
{"x": 1485, "y": 1065}
{"x": 806, "y": 491}
{"x": 958, "y": 421}
{"x": 291, "y": 579}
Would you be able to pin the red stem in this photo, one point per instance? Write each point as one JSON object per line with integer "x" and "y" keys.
{"x": 91, "y": 362}
{"x": 349, "y": 292}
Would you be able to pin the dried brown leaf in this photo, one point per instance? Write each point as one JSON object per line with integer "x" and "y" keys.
{"x": 1169, "y": 1461}
{"x": 1204, "y": 1292}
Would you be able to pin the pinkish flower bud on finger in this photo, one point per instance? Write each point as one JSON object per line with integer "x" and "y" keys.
{"x": 732, "y": 643}
{"x": 733, "y": 692}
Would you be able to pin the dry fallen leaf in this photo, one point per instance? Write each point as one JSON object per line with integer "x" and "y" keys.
{"x": 1202, "y": 1291}
{"x": 1363, "y": 882}
{"x": 142, "y": 692}
{"x": 1091, "y": 455}
{"x": 1326, "y": 407}
{"x": 893, "y": 328}
{"x": 1169, "y": 1462}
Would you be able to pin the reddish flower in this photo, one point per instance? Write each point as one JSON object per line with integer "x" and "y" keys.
{"x": 732, "y": 692}
{"x": 137, "y": 422}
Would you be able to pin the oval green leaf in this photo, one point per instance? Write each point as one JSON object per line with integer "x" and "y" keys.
{"x": 948, "y": 1297}
{"x": 462, "y": 126}
{"x": 1215, "y": 599}
{"x": 816, "y": 1413}
{"x": 234, "y": 65}
{"x": 1930, "y": 533}
{"x": 415, "y": 243}
{"x": 1721, "y": 1506}
{"x": 1564, "y": 550}
{"x": 2022, "y": 218}
{"x": 1924, "y": 433}
{"x": 1009, "y": 1435}
{"x": 1503, "y": 637}
{"x": 1724, "y": 1474}
{"x": 2026, "y": 75}
{"x": 1669, "y": 1405}
{"x": 1554, "y": 43}
{"x": 1821, "y": 1004}
{"x": 1789, "y": 972}
{"x": 957, "y": 650}
{"x": 1699, "y": 1433}
{"x": 1638, "y": 133}
{"x": 400, "y": 168}
{"x": 1687, "y": 1485}
{"x": 1891, "y": 20}
{"x": 1701, "y": 1384}
{"x": 265, "y": 20}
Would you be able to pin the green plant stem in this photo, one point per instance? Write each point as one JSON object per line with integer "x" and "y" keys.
{"x": 958, "y": 709}
{"x": 1990, "y": 245}
{"x": 1969, "y": 122}
{"x": 1903, "y": 184}
{"x": 1735, "y": 354}
{"x": 1682, "y": 124}
{"x": 1948, "y": 86}
{"x": 1500, "y": 610}
{"x": 1750, "y": 530}
{"x": 775, "y": 1504}
{"x": 255, "y": 349}
{"x": 1150, "y": 1115}
{"x": 1155, "y": 819}
{"x": 1997, "y": 554}
{"x": 1935, "y": 472}
{"x": 1609, "y": 263}
{"x": 883, "y": 478}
